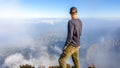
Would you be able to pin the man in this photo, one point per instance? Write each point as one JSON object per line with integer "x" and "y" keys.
{"x": 72, "y": 44}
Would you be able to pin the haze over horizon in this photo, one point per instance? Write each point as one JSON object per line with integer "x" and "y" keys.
{"x": 41, "y": 43}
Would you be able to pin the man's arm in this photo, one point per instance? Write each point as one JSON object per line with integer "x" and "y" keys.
{"x": 81, "y": 27}
{"x": 70, "y": 33}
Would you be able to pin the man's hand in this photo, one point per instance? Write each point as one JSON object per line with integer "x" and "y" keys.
{"x": 64, "y": 48}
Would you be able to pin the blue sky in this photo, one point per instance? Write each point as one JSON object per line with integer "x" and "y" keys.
{"x": 58, "y": 8}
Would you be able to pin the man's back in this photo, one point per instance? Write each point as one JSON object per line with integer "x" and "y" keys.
{"x": 74, "y": 32}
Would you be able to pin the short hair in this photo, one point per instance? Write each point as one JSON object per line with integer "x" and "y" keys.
{"x": 72, "y": 8}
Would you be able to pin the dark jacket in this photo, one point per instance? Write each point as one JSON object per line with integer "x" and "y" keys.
{"x": 74, "y": 32}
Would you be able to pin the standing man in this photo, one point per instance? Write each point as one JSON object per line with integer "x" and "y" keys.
{"x": 72, "y": 44}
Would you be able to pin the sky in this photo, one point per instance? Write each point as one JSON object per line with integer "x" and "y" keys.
{"x": 58, "y": 8}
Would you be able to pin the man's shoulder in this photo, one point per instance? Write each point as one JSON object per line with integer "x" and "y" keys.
{"x": 70, "y": 21}
{"x": 79, "y": 20}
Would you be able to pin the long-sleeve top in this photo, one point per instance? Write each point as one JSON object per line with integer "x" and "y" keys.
{"x": 74, "y": 32}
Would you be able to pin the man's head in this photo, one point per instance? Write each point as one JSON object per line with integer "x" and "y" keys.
{"x": 73, "y": 12}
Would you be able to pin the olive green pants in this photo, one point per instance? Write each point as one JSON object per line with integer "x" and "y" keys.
{"x": 70, "y": 51}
